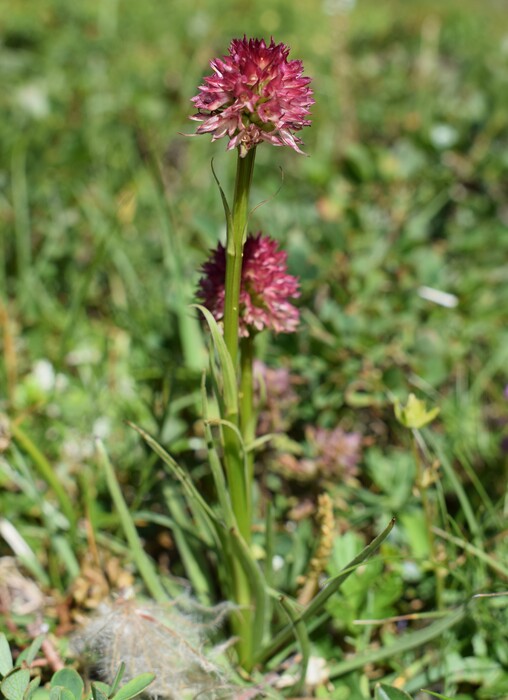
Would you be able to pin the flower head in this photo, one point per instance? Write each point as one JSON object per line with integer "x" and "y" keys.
{"x": 265, "y": 289}
{"x": 328, "y": 453}
{"x": 254, "y": 95}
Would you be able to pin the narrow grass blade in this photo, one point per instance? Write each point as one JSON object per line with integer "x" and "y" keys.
{"x": 168, "y": 522}
{"x": 257, "y": 585}
{"x": 118, "y": 678}
{"x": 318, "y": 603}
{"x": 180, "y": 474}
{"x": 269, "y": 543}
{"x": 46, "y": 471}
{"x": 192, "y": 559}
{"x": 387, "y": 692}
{"x": 476, "y": 551}
{"x": 216, "y": 466}
{"x": 144, "y": 564}
{"x": 230, "y": 387}
{"x": 66, "y": 555}
{"x": 412, "y": 640}
{"x": 28, "y": 655}
{"x": 455, "y": 483}
{"x": 300, "y": 632}
{"x": 23, "y": 551}
{"x": 191, "y": 337}
{"x": 227, "y": 210}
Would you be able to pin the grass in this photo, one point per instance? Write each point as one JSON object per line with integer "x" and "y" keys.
{"x": 106, "y": 214}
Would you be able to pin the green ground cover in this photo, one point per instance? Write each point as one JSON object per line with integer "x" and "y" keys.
{"x": 106, "y": 214}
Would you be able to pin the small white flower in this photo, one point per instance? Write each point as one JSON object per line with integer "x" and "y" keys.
{"x": 44, "y": 374}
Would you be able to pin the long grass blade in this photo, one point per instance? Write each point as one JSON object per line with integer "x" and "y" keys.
{"x": 230, "y": 387}
{"x": 300, "y": 632}
{"x": 257, "y": 585}
{"x": 455, "y": 482}
{"x": 144, "y": 564}
{"x": 46, "y": 471}
{"x": 318, "y": 603}
{"x": 182, "y": 476}
{"x": 216, "y": 467}
{"x": 192, "y": 559}
{"x": 409, "y": 641}
{"x": 495, "y": 565}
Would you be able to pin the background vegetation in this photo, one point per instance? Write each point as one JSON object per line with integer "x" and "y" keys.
{"x": 106, "y": 214}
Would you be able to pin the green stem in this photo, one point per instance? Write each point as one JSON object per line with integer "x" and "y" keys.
{"x": 239, "y": 481}
{"x": 239, "y": 486}
{"x": 234, "y": 251}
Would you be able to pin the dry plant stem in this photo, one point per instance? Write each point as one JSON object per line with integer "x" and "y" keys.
{"x": 428, "y": 513}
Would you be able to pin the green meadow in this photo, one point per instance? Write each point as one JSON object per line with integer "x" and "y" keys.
{"x": 396, "y": 224}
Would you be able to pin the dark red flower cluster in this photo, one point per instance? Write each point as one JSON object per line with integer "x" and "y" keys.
{"x": 254, "y": 95}
{"x": 265, "y": 291}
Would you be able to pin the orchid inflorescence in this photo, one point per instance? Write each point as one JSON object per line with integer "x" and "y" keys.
{"x": 255, "y": 94}
{"x": 265, "y": 290}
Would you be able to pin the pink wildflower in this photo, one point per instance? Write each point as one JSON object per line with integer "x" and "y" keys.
{"x": 254, "y": 95}
{"x": 329, "y": 454}
{"x": 265, "y": 291}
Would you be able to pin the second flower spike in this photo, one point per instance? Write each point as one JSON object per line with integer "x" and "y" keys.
{"x": 266, "y": 287}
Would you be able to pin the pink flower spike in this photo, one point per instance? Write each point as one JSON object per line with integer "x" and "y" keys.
{"x": 265, "y": 291}
{"x": 255, "y": 94}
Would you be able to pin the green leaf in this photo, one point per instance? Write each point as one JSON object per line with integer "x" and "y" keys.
{"x": 143, "y": 562}
{"x": 227, "y": 210}
{"x": 103, "y": 687}
{"x": 134, "y": 687}
{"x": 180, "y": 474}
{"x": 58, "y": 692}
{"x": 386, "y": 692}
{"x": 117, "y": 679}
{"x": 48, "y": 473}
{"x": 216, "y": 466}
{"x": 300, "y": 632}
{"x": 5, "y": 655}
{"x": 28, "y": 655}
{"x": 332, "y": 586}
{"x": 98, "y": 692}
{"x": 230, "y": 388}
{"x": 438, "y": 695}
{"x": 190, "y": 549}
{"x": 32, "y": 687}
{"x": 70, "y": 679}
{"x": 410, "y": 640}
{"x": 258, "y": 586}
{"x": 13, "y": 687}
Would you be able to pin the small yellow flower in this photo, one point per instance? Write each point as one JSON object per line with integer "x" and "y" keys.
{"x": 414, "y": 414}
